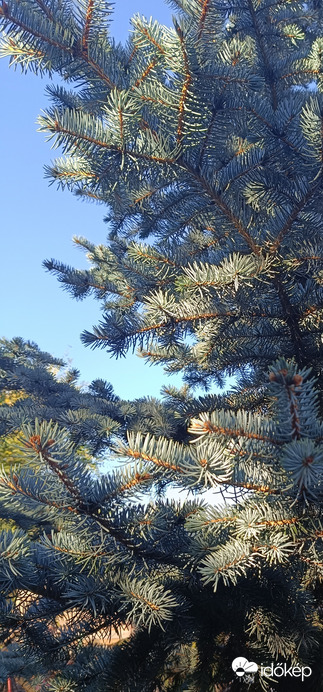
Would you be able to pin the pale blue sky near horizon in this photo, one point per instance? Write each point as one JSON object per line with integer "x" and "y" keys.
{"x": 38, "y": 222}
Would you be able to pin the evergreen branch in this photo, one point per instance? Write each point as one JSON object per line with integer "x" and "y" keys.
{"x": 214, "y": 113}
{"x": 227, "y": 212}
{"x": 185, "y": 87}
{"x": 268, "y": 68}
{"x": 45, "y": 9}
{"x": 292, "y": 397}
{"x": 138, "y": 478}
{"x": 155, "y": 452}
{"x": 293, "y": 216}
{"x": 158, "y": 101}
{"x": 148, "y": 34}
{"x": 98, "y": 71}
{"x": 4, "y": 12}
{"x": 291, "y": 319}
{"x": 22, "y": 53}
{"x": 205, "y": 426}
{"x": 35, "y": 443}
{"x": 258, "y": 488}
{"x": 146, "y": 253}
{"x": 301, "y": 72}
{"x": 276, "y": 133}
{"x": 75, "y": 50}
{"x": 149, "y": 193}
{"x": 145, "y": 73}
{"x": 269, "y": 523}
{"x": 17, "y": 488}
{"x": 87, "y": 26}
{"x": 56, "y": 127}
{"x": 312, "y": 563}
{"x": 204, "y": 11}
{"x": 217, "y": 76}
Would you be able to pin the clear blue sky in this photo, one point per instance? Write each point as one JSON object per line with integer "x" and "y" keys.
{"x": 39, "y": 221}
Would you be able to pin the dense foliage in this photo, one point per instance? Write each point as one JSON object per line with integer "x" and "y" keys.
{"x": 205, "y": 142}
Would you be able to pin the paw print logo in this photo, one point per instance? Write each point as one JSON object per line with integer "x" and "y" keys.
{"x": 242, "y": 666}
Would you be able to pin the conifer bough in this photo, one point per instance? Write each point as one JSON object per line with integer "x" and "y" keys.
{"x": 204, "y": 140}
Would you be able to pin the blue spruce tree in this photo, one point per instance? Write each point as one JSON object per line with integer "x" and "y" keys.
{"x": 204, "y": 141}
